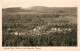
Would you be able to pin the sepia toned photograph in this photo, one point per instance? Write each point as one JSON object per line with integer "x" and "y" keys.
{"x": 39, "y": 26}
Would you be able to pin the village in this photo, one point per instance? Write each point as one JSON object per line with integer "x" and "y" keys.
{"x": 39, "y": 30}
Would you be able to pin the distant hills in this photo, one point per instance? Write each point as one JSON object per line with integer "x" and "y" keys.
{"x": 14, "y": 9}
{"x": 39, "y": 9}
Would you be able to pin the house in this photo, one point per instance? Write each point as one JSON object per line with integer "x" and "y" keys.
{"x": 16, "y": 33}
{"x": 8, "y": 29}
{"x": 37, "y": 28}
{"x": 34, "y": 29}
{"x": 60, "y": 29}
{"x": 54, "y": 29}
{"x": 57, "y": 29}
{"x": 65, "y": 29}
{"x": 22, "y": 33}
{"x": 69, "y": 29}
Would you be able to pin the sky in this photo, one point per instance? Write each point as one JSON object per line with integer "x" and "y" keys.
{"x": 47, "y": 3}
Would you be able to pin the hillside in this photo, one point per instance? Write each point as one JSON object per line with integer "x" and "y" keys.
{"x": 41, "y": 13}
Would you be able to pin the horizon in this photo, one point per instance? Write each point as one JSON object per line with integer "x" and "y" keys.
{"x": 40, "y": 6}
